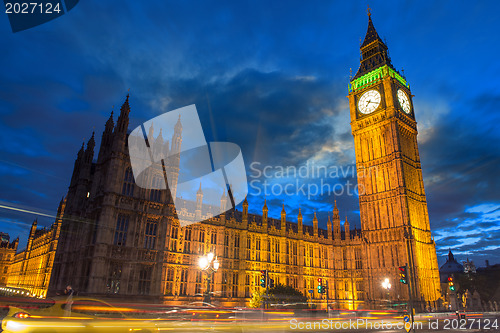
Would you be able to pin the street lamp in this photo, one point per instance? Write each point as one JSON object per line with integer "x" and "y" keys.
{"x": 210, "y": 265}
{"x": 386, "y": 284}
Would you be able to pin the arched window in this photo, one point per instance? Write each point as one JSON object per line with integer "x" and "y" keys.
{"x": 128, "y": 183}
{"x": 121, "y": 230}
{"x": 157, "y": 184}
{"x": 150, "y": 234}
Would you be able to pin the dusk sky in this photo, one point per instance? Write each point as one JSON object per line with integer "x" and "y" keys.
{"x": 271, "y": 77}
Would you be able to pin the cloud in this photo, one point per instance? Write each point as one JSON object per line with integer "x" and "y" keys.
{"x": 272, "y": 81}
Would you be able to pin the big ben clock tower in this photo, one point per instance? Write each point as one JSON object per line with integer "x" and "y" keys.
{"x": 393, "y": 206}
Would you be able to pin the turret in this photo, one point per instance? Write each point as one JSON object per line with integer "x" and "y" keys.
{"x": 177, "y": 137}
{"x": 199, "y": 203}
{"x": 31, "y": 236}
{"x": 60, "y": 209}
{"x": 151, "y": 133}
{"x": 174, "y": 158}
{"x": 347, "y": 229}
{"x": 223, "y": 203}
{"x": 89, "y": 152}
{"x": 264, "y": 214}
{"x": 107, "y": 138}
{"x": 336, "y": 222}
{"x": 329, "y": 227}
{"x": 15, "y": 243}
{"x": 122, "y": 123}
{"x": 283, "y": 216}
{"x": 315, "y": 225}
{"x": 120, "y": 132}
{"x": 245, "y": 211}
{"x": 76, "y": 167}
{"x": 158, "y": 146}
{"x": 299, "y": 223}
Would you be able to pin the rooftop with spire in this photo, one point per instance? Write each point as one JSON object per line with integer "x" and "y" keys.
{"x": 373, "y": 51}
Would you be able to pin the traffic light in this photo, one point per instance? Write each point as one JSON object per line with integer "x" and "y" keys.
{"x": 320, "y": 286}
{"x": 271, "y": 283}
{"x": 451, "y": 283}
{"x": 403, "y": 274}
{"x": 263, "y": 278}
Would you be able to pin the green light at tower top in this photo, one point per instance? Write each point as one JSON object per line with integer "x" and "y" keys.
{"x": 374, "y": 76}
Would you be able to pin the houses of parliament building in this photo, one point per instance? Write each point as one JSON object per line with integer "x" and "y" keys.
{"x": 113, "y": 238}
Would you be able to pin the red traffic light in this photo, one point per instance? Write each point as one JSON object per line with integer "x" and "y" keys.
{"x": 450, "y": 279}
{"x": 319, "y": 280}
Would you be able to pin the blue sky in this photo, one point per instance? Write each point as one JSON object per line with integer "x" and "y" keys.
{"x": 271, "y": 77}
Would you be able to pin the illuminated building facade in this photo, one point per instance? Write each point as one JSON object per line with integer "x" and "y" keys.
{"x": 393, "y": 207}
{"x": 118, "y": 239}
{"x": 31, "y": 268}
{"x": 7, "y": 252}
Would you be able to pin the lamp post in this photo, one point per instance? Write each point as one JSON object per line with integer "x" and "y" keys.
{"x": 210, "y": 265}
{"x": 386, "y": 284}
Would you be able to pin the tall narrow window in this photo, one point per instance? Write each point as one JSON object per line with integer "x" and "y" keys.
{"x": 121, "y": 230}
{"x": 249, "y": 245}
{"x": 235, "y": 285}
{"x": 183, "y": 285}
{"x": 158, "y": 182}
{"x": 145, "y": 280}
{"x": 169, "y": 289}
{"x": 357, "y": 254}
{"x": 197, "y": 288}
{"x": 226, "y": 245}
{"x": 128, "y": 183}
{"x": 150, "y": 234}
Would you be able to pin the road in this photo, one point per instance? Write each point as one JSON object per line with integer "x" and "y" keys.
{"x": 151, "y": 318}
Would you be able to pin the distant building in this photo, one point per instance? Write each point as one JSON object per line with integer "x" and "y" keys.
{"x": 7, "y": 251}
{"x": 31, "y": 268}
{"x": 469, "y": 266}
{"x": 451, "y": 266}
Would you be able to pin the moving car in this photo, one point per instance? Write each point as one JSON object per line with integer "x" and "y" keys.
{"x": 79, "y": 315}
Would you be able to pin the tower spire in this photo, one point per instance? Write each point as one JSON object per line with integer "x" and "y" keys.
{"x": 110, "y": 123}
{"x": 373, "y": 50}
{"x": 122, "y": 123}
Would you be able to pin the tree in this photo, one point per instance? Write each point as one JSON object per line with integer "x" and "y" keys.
{"x": 486, "y": 282}
{"x": 288, "y": 295}
{"x": 257, "y": 299}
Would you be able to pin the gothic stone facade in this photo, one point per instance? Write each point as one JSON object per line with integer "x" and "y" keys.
{"x": 119, "y": 239}
{"x": 393, "y": 207}
{"x": 32, "y": 267}
{"x": 7, "y": 252}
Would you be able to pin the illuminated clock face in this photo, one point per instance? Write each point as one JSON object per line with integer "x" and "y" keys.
{"x": 404, "y": 101}
{"x": 369, "y": 101}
